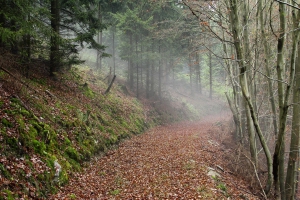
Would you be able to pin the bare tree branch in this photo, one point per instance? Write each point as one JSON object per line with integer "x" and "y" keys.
{"x": 296, "y": 7}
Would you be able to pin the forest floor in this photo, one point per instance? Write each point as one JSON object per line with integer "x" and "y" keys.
{"x": 167, "y": 162}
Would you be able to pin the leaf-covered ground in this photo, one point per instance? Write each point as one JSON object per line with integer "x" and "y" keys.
{"x": 167, "y": 162}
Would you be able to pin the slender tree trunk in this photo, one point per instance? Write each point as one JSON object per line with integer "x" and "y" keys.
{"x": 131, "y": 62}
{"x": 2, "y": 22}
{"x": 210, "y": 75}
{"x": 249, "y": 60}
{"x": 191, "y": 73}
{"x": 147, "y": 75}
{"x": 152, "y": 70}
{"x": 54, "y": 40}
{"x": 99, "y": 40}
{"x": 198, "y": 68}
{"x": 114, "y": 49}
{"x": 293, "y": 162}
{"x": 235, "y": 104}
{"x": 137, "y": 66}
{"x": 159, "y": 72}
{"x": 278, "y": 157}
{"x": 244, "y": 86}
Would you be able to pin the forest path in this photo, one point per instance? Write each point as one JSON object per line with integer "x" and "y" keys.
{"x": 166, "y": 162}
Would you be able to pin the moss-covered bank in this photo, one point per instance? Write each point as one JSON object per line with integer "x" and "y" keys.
{"x": 54, "y": 127}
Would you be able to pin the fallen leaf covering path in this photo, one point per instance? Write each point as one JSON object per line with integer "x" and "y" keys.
{"x": 167, "y": 162}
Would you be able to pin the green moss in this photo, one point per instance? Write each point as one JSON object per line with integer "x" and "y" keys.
{"x": 72, "y": 196}
{"x": 13, "y": 143}
{"x": 86, "y": 154}
{"x": 4, "y": 172}
{"x": 6, "y": 123}
{"x": 49, "y": 135}
{"x": 72, "y": 153}
{"x": 38, "y": 126}
{"x": 21, "y": 123}
{"x": 110, "y": 131}
{"x": 87, "y": 91}
{"x": 39, "y": 147}
{"x": 32, "y": 133}
{"x": 88, "y": 130}
{"x": 100, "y": 127}
{"x": 1, "y": 104}
{"x": 2, "y": 74}
{"x": 25, "y": 112}
{"x": 9, "y": 194}
{"x": 67, "y": 142}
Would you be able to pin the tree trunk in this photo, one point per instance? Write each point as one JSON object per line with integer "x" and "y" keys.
{"x": 198, "y": 67}
{"x": 99, "y": 40}
{"x": 293, "y": 162}
{"x": 210, "y": 75}
{"x": 152, "y": 70}
{"x": 131, "y": 62}
{"x": 191, "y": 73}
{"x": 147, "y": 76}
{"x": 114, "y": 49}
{"x": 235, "y": 103}
{"x": 283, "y": 95}
{"x": 137, "y": 66}
{"x": 159, "y": 72}
{"x": 54, "y": 40}
{"x": 244, "y": 86}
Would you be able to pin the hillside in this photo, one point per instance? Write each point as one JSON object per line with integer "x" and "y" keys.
{"x": 51, "y": 127}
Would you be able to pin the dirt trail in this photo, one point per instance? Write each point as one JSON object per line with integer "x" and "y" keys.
{"x": 167, "y": 162}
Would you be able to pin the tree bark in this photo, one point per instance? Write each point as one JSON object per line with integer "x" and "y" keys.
{"x": 293, "y": 161}
{"x": 267, "y": 66}
{"x": 54, "y": 40}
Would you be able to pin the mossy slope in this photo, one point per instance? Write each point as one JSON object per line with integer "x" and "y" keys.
{"x": 65, "y": 121}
